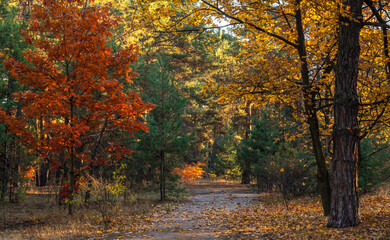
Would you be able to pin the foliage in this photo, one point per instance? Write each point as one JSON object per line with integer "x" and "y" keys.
{"x": 375, "y": 166}
{"x": 162, "y": 149}
{"x": 108, "y": 195}
{"x": 76, "y": 84}
{"x": 69, "y": 100}
{"x": 13, "y": 156}
{"x": 223, "y": 156}
{"x": 277, "y": 164}
{"x": 189, "y": 172}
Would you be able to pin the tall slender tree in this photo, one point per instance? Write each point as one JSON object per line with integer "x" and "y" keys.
{"x": 163, "y": 148}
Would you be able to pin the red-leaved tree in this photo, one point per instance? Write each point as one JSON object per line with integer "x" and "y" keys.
{"x": 76, "y": 84}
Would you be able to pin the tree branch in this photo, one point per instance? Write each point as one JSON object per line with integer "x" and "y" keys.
{"x": 251, "y": 24}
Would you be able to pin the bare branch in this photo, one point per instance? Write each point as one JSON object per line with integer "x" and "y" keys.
{"x": 251, "y": 24}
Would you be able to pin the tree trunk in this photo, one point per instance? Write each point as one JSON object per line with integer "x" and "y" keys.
{"x": 162, "y": 176}
{"x": 246, "y": 174}
{"x": 345, "y": 202}
{"x": 43, "y": 174}
{"x": 312, "y": 119}
{"x": 4, "y": 165}
{"x": 72, "y": 165}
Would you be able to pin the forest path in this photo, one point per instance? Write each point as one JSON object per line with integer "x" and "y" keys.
{"x": 196, "y": 218}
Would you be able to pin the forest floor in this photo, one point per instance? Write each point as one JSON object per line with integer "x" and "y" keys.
{"x": 196, "y": 218}
{"x": 233, "y": 211}
{"x": 212, "y": 210}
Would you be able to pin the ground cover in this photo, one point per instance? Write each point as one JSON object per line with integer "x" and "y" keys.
{"x": 212, "y": 210}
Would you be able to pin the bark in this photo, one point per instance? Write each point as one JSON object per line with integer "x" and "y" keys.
{"x": 14, "y": 174}
{"x": 345, "y": 202}
{"x": 246, "y": 174}
{"x": 72, "y": 166}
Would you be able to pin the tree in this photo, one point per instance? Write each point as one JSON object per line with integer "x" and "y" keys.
{"x": 260, "y": 146}
{"x": 76, "y": 84}
{"x": 163, "y": 148}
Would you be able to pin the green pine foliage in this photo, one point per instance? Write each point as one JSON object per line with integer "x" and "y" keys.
{"x": 374, "y": 168}
{"x": 162, "y": 148}
{"x": 13, "y": 157}
{"x": 223, "y": 155}
{"x": 260, "y": 148}
{"x": 277, "y": 165}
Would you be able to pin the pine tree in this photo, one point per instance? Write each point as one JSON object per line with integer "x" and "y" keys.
{"x": 162, "y": 149}
{"x": 11, "y": 44}
{"x": 260, "y": 147}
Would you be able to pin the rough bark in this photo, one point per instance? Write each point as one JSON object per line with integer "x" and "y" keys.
{"x": 345, "y": 202}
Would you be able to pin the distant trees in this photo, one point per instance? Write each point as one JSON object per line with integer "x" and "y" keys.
{"x": 297, "y": 54}
{"x": 12, "y": 157}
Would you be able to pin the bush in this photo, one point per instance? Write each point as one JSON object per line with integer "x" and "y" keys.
{"x": 107, "y": 196}
{"x": 189, "y": 172}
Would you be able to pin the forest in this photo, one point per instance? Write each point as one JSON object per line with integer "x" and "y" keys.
{"x": 185, "y": 119}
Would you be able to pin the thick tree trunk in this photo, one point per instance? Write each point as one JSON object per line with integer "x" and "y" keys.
{"x": 345, "y": 202}
{"x": 246, "y": 174}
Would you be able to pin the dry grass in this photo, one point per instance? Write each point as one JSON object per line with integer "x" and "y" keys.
{"x": 38, "y": 216}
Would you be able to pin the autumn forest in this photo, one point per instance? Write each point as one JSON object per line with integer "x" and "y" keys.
{"x": 194, "y": 119}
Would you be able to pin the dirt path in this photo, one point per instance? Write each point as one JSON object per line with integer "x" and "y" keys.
{"x": 196, "y": 218}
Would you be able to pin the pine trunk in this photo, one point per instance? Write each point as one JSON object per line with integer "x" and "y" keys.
{"x": 345, "y": 202}
{"x": 162, "y": 176}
